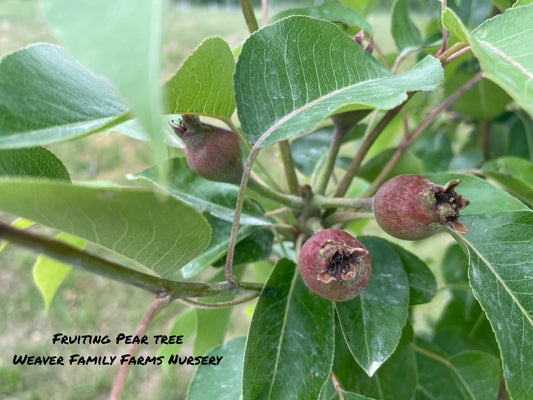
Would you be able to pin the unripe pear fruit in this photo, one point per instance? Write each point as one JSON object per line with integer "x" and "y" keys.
{"x": 334, "y": 265}
{"x": 212, "y": 152}
{"x": 411, "y": 207}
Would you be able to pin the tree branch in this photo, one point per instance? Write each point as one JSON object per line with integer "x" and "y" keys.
{"x": 80, "y": 259}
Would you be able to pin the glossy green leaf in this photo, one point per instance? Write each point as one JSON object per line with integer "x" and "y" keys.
{"x": 485, "y": 100}
{"x": 289, "y": 351}
{"x": 484, "y": 198}
{"x": 47, "y": 97}
{"x": 471, "y": 375}
{"x": 122, "y": 40}
{"x": 501, "y": 276}
{"x": 220, "y": 234}
{"x": 156, "y": 231}
{"x": 184, "y": 325}
{"x": 33, "y": 161}
{"x": 422, "y": 283}
{"x": 217, "y": 198}
{"x": 333, "y": 12}
{"x": 396, "y": 379}
{"x": 404, "y": 31}
{"x": 519, "y": 3}
{"x": 204, "y": 82}
{"x": 372, "y": 322}
{"x": 435, "y": 378}
{"x": 294, "y": 73}
{"x": 501, "y": 45}
{"x": 514, "y": 174}
{"x": 521, "y": 138}
{"x": 477, "y": 374}
{"x": 48, "y": 273}
{"x": 222, "y": 382}
{"x": 255, "y": 247}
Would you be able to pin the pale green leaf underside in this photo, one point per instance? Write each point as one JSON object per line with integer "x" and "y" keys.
{"x": 48, "y": 273}
{"x": 159, "y": 232}
{"x": 47, "y": 97}
{"x": 294, "y": 73}
{"x": 501, "y": 276}
{"x": 120, "y": 39}
{"x": 204, "y": 83}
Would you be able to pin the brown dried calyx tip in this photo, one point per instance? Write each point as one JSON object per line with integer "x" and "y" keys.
{"x": 449, "y": 203}
{"x": 339, "y": 262}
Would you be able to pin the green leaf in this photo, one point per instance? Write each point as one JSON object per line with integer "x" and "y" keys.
{"x": 217, "y": 198}
{"x": 332, "y": 12}
{"x": 224, "y": 381}
{"x": 34, "y": 161}
{"x": 403, "y": 30}
{"x": 471, "y": 12}
{"x": 471, "y": 375}
{"x": 184, "y": 325}
{"x": 477, "y": 374}
{"x": 294, "y": 73}
{"x": 363, "y": 6}
{"x": 48, "y": 273}
{"x": 122, "y": 40}
{"x": 220, "y": 234}
{"x": 501, "y": 276}
{"x": 485, "y": 100}
{"x": 47, "y": 97}
{"x": 422, "y": 283}
{"x": 435, "y": 378}
{"x": 372, "y": 322}
{"x": 307, "y": 150}
{"x": 454, "y": 25}
{"x": 484, "y": 198}
{"x": 396, "y": 379}
{"x": 289, "y": 351}
{"x": 156, "y": 231}
{"x": 212, "y": 326}
{"x": 501, "y": 45}
{"x": 434, "y": 151}
{"x": 204, "y": 82}
{"x": 514, "y": 174}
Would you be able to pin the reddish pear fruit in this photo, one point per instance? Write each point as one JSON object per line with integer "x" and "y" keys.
{"x": 411, "y": 207}
{"x": 212, "y": 152}
{"x": 334, "y": 265}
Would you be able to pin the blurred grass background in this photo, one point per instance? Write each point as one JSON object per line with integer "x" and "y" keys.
{"x": 85, "y": 303}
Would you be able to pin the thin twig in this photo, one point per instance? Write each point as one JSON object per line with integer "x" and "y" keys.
{"x": 159, "y": 303}
{"x": 329, "y": 164}
{"x": 249, "y": 15}
{"x": 288, "y": 166}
